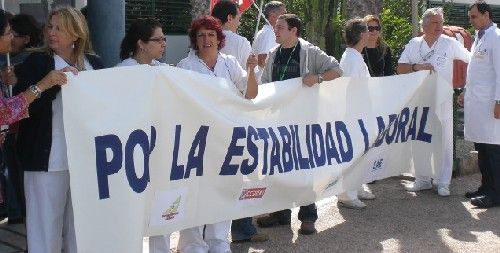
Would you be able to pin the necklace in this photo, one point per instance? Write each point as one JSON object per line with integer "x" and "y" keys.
{"x": 282, "y": 75}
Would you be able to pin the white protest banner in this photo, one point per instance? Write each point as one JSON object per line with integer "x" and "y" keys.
{"x": 153, "y": 150}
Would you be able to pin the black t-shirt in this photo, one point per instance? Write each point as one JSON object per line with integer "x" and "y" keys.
{"x": 378, "y": 64}
{"x": 286, "y": 63}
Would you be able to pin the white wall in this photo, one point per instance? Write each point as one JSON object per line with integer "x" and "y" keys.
{"x": 177, "y": 48}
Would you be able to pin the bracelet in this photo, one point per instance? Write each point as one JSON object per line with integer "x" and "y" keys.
{"x": 35, "y": 91}
{"x": 413, "y": 67}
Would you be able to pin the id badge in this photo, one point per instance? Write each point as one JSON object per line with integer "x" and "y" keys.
{"x": 481, "y": 54}
{"x": 441, "y": 62}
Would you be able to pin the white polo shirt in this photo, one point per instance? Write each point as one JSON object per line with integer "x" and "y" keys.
{"x": 440, "y": 55}
{"x": 237, "y": 46}
{"x": 265, "y": 40}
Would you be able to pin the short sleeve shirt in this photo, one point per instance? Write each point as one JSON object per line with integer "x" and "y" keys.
{"x": 440, "y": 55}
{"x": 237, "y": 46}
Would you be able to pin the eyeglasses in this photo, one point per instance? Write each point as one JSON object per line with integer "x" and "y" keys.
{"x": 8, "y": 34}
{"x": 373, "y": 28}
{"x": 160, "y": 39}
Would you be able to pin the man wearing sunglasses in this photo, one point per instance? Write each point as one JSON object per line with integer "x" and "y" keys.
{"x": 482, "y": 104}
{"x": 435, "y": 51}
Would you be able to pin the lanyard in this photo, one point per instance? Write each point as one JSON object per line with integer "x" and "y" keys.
{"x": 430, "y": 53}
{"x": 282, "y": 75}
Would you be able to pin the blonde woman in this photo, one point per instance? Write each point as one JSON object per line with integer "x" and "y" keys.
{"x": 377, "y": 54}
{"x": 41, "y": 140}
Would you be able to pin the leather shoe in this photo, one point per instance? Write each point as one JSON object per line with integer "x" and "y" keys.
{"x": 483, "y": 202}
{"x": 474, "y": 194}
{"x": 271, "y": 221}
{"x": 307, "y": 228}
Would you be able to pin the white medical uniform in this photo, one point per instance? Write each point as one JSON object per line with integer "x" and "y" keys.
{"x": 353, "y": 65}
{"x": 159, "y": 243}
{"x": 237, "y": 46}
{"x": 440, "y": 55}
{"x": 264, "y": 40}
{"x": 191, "y": 240}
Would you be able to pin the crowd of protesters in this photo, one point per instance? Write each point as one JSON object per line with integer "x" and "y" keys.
{"x": 34, "y": 169}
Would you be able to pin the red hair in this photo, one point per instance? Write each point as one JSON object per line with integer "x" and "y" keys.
{"x": 209, "y": 23}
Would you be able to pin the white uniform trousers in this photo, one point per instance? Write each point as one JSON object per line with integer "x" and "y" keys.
{"x": 445, "y": 172}
{"x": 49, "y": 213}
{"x": 348, "y": 196}
{"x": 191, "y": 239}
{"x": 159, "y": 244}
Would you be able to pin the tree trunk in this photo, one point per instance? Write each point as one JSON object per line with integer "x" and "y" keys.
{"x": 200, "y": 8}
{"x": 361, "y": 8}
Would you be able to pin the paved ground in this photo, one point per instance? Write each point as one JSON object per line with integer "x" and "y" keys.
{"x": 396, "y": 221}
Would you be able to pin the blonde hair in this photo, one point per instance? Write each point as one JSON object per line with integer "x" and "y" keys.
{"x": 73, "y": 23}
{"x": 381, "y": 45}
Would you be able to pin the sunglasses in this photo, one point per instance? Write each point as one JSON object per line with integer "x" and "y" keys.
{"x": 373, "y": 28}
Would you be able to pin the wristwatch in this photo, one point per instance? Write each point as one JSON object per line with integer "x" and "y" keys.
{"x": 320, "y": 78}
{"x": 497, "y": 102}
{"x": 36, "y": 91}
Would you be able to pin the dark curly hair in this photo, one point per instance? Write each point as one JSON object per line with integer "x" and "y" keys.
{"x": 209, "y": 23}
{"x": 26, "y": 25}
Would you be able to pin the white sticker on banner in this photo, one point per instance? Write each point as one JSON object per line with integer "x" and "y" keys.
{"x": 168, "y": 206}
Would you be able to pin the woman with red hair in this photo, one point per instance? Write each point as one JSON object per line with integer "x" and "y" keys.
{"x": 207, "y": 39}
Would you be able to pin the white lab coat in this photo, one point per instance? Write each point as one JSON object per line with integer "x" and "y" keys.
{"x": 483, "y": 88}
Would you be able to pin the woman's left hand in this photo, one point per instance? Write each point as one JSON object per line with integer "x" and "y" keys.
{"x": 252, "y": 62}
{"x": 8, "y": 76}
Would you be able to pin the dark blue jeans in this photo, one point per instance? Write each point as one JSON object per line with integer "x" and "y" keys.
{"x": 489, "y": 164}
{"x": 242, "y": 229}
{"x": 14, "y": 181}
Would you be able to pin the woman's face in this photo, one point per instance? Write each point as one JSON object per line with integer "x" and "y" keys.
{"x": 156, "y": 45}
{"x": 364, "y": 38}
{"x": 57, "y": 38}
{"x": 373, "y": 30}
{"x": 19, "y": 42}
{"x": 6, "y": 40}
{"x": 206, "y": 40}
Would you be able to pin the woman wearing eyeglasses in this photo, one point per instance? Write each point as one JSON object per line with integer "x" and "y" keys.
{"x": 377, "y": 54}
{"x": 144, "y": 43}
{"x": 27, "y": 34}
